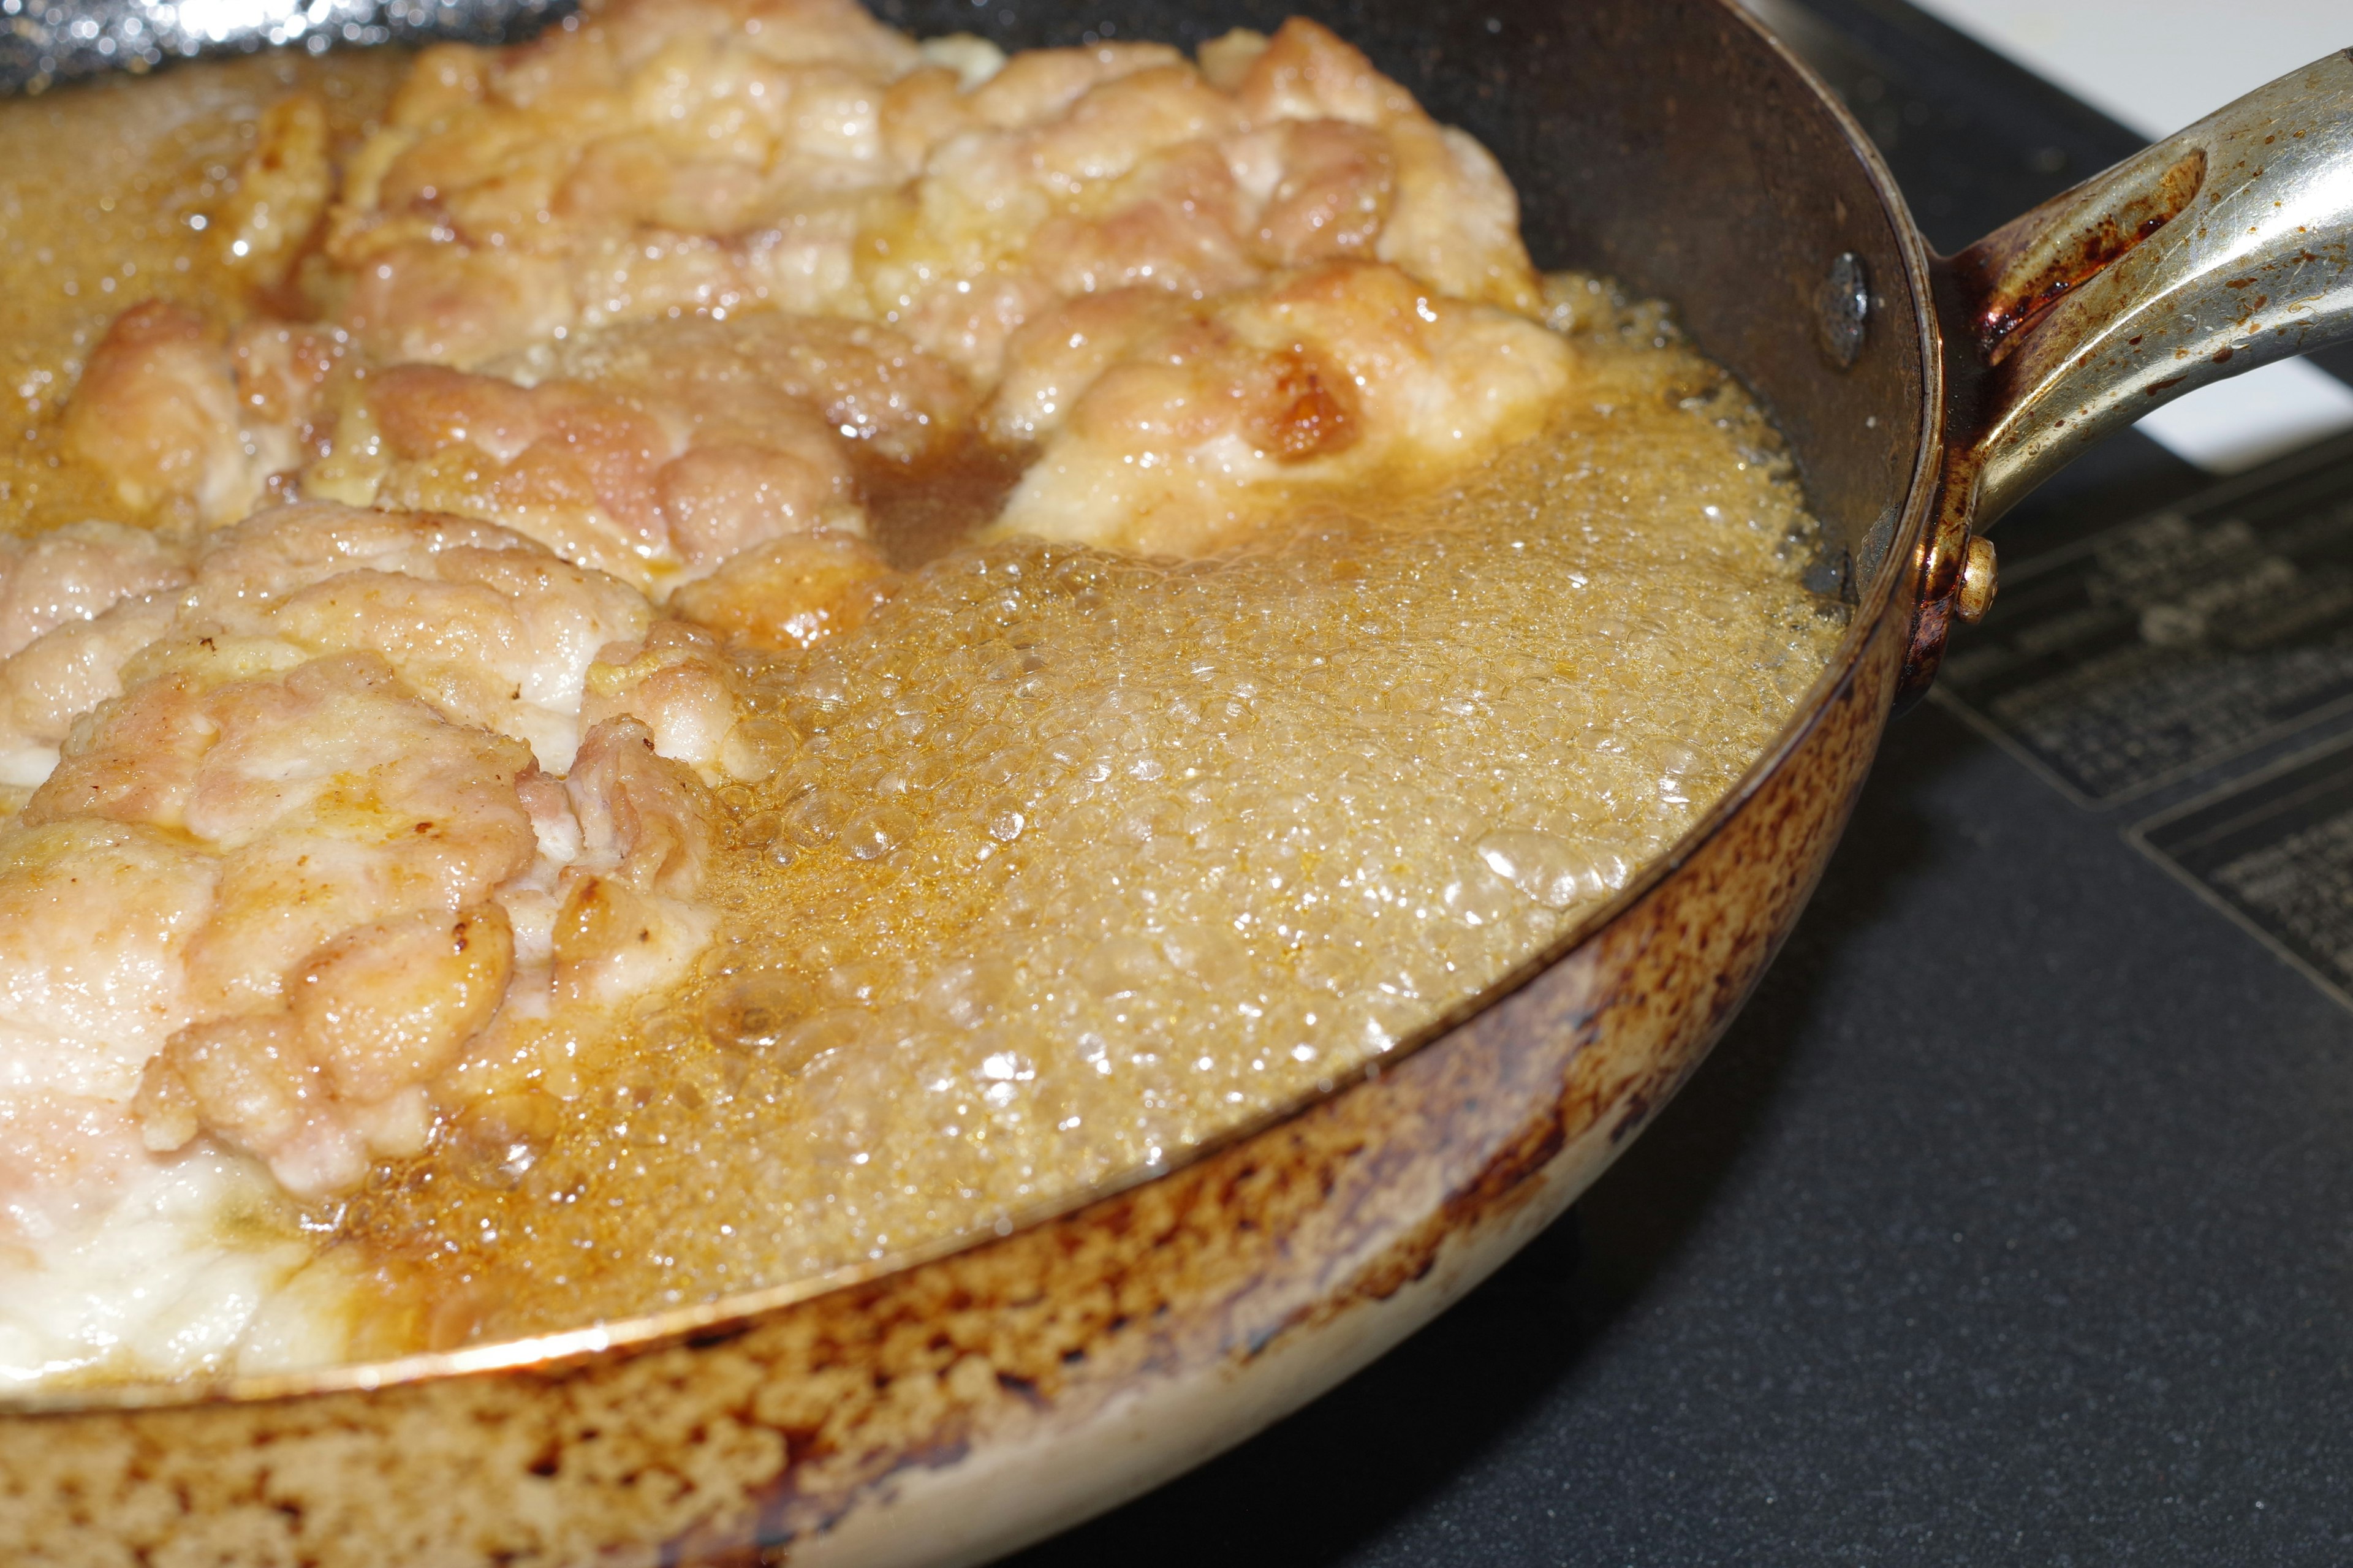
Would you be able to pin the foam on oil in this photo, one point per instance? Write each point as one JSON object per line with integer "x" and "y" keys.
{"x": 1073, "y": 860}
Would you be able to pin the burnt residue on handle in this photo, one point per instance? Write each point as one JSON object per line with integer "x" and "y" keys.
{"x": 2016, "y": 274}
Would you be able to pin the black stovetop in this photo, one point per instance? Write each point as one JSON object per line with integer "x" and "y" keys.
{"x": 2012, "y": 1223}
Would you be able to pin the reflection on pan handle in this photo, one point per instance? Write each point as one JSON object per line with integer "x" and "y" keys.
{"x": 2217, "y": 249}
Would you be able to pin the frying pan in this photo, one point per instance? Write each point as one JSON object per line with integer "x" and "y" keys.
{"x": 952, "y": 1409}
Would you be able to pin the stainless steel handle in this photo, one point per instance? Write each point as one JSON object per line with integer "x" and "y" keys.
{"x": 2213, "y": 251}
{"x": 2217, "y": 249}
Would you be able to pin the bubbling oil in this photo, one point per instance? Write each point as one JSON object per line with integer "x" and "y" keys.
{"x": 1071, "y": 861}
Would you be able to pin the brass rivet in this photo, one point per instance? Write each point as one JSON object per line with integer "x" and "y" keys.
{"x": 1975, "y": 595}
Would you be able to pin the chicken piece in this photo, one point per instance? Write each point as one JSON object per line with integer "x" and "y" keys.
{"x": 63, "y": 675}
{"x": 1053, "y": 360}
{"x": 791, "y": 594}
{"x": 1181, "y": 430}
{"x": 115, "y": 1264}
{"x": 63, "y": 1159}
{"x": 278, "y": 896}
{"x": 1327, "y": 189}
{"x": 284, "y": 374}
{"x": 280, "y": 553}
{"x": 95, "y": 923}
{"x": 670, "y": 160}
{"x": 486, "y": 625}
{"x": 198, "y": 425}
{"x": 1101, "y": 169}
{"x": 437, "y": 304}
{"x": 328, "y": 795}
{"x": 675, "y": 684}
{"x": 340, "y": 1077}
{"x": 384, "y": 1008}
{"x": 297, "y": 848}
{"x": 654, "y": 452}
{"x": 158, "y": 412}
{"x": 601, "y": 480}
{"x": 719, "y": 500}
{"x": 1039, "y": 86}
{"x": 281, "y": 191}
{"x": 494, "y": 637}
{"x": 531, "y": 899}
{"x": 731, "y": 381}
{"x": 558, "y": 463}
{"x": 94, "y": 920}
{"x": 434, "y": 826}
{"x": 1178, "y": 221}
{"x": 1106, "y": 169}
{"x": 319, "y": 849}
{"x": 663, "y": 157}
{"x": 176, "y": 409}
{"x": 609, "y": 910}
{"x": 629, "y": 922}
{"x": 76, "y": 572}
{"x": 1453, "y": 221}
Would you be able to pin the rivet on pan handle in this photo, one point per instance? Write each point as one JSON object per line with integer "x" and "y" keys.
{"x": 2211, "y": 252}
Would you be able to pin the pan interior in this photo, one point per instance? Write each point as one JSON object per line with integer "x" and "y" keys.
{"x": 1602, "y": 210}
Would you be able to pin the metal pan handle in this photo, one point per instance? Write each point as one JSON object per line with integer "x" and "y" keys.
{"x": 2217, "y": 249}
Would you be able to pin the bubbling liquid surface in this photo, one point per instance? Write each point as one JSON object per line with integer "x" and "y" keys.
{"x": 1072, "y": 860}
